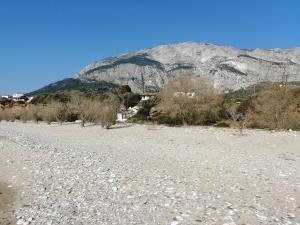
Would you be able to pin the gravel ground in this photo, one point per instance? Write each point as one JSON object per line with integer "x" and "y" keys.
{"x": 133, "y": 174}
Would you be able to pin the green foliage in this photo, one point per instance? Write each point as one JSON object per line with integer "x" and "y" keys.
{"x": 130, "y": 99}
{"x": 5, "y": 101}
{"x": 123, "y": 89}
{"x": 71, "y": 84}
{"x": 169, "y": 120}
{"x": 72, "y": 116}
{"x": 44, "y": 98}
{"x": 143, "y": 113}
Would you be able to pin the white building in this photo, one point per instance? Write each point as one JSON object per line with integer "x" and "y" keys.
{"x": 7, "y": 96}
{"x": 147, "y": 96}
{"x": 121, "y": 117}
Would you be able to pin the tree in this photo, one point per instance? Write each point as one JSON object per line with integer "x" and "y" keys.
{"x": 85, "y": 107}
{"x": 130, "y": 99}
{"x": 123, "y": 89}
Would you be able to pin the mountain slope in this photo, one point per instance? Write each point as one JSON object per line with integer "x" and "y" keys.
{"x": 226, "y": 67}
{"x": 71, "y": 84}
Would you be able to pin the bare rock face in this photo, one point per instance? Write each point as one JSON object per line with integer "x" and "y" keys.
{"x": 227, "y": 67}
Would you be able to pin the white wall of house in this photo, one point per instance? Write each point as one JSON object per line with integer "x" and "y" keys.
{"x": 6, "y": 96}
{"x": 121, "y": 117}
{"x": 144, "y": 98}
{"x": 17, "y": 95}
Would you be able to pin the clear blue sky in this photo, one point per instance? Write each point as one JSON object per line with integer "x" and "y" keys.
{"x": 42, "y": 41}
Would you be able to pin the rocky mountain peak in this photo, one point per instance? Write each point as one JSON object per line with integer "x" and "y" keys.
{"x": 227, "y": 67}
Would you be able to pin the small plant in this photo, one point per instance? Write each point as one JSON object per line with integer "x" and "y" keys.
{"x": 241, "y": 118}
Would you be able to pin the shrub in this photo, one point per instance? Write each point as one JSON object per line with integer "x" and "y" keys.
{"x": 192, "y": 100}
{"x": 130, "y": 99}
{"x": 46, "y": 98}
{"x": 31, "y": 113}
{"x": 4, "y": 115}
{"x": 169, "y": 120}
{"x": 48, "y": 113}
{"x": 108, "y": 112}
{"x": 11, "y": 113}
{"x": 85, "y": 108}
{"x": 277, "y": 108}
{"x": 123, "y": 89}
{"x": 102, "y": 110}
{"x": 5, "y": 101}
{"x": 145, "y": 109}
{"x": 240, "y": 113}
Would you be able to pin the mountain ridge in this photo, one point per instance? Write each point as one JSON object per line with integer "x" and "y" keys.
{"x": 227, "y": 67}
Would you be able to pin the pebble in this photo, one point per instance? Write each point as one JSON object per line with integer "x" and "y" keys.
{"x": 100, "y": 181}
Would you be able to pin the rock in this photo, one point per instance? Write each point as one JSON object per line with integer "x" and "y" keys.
{"x": 230, "y": 68}
{"x": 20, "y": 222}
{"x": 291, "y": 215}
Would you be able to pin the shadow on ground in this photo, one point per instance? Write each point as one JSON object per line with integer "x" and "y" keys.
{"x": 120, "y": 126}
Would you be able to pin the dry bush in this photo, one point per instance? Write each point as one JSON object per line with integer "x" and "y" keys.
{"x": 108, "y": 111}
{"x": 55, "y": 111}
{"x": 31, "y": 113}
{"x": 4, "y": 115}
{"x": 11, "y": 113}
{"x": 85, "y": 107}
{"x": 242, "y": 119}
{"x": 47, "y": 113}
{"x": 103, "y": 111}
{"x": 191, "y": 100}
{"x": 277, "y": 108}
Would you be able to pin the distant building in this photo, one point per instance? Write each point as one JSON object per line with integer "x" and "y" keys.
{"x": 18, "y": 97}
{"x": 147, "y": 96}
{"x": 185, "y": 94}
{"x": 121, "y": 117}
{"x": 7, "y": 96}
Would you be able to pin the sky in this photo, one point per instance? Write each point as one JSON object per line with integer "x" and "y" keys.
{"x": 43, "y": 41}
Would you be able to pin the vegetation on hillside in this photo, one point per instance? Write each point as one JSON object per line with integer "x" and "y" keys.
{"x": 185, "y": 101}
{"x": 268, "y": 105}
{"x": 71, "y": 84}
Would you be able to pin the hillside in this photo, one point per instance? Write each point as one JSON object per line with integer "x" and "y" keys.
{"x": 226, "y": 67}
{"x": 71, "y": 84}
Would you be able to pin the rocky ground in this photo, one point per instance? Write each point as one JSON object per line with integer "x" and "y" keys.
{"x": 133, "y": 174}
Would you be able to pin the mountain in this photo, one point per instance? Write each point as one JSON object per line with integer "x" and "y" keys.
{"x": 71, "y": 84}
{"x": 226, "y": 67}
